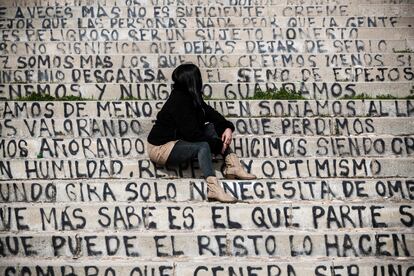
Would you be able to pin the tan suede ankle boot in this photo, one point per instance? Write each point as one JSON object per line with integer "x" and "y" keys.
{"x": 234, "y": 169}
{"x": 215, "y": 191}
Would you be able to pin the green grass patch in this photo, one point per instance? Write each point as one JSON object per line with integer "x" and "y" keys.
{"x": 73, "y": 98}
{"x": 402, "y": 51}
{"x": 363, "y": 96}
{"x": 385, "y": 97}
{"x": 129, "y": 98}
{"x": 280, "y": 94}
{"x": 38, "y": 97}
{"x": 207, "y": 98}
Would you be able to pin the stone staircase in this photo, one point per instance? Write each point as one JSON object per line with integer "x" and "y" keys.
{"x": 90, "y": 203}
{"x": 335, "y": 188}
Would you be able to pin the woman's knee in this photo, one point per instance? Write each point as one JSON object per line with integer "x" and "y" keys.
{"x": 203, "y": 148}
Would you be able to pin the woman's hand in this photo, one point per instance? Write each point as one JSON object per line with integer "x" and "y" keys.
{"x": 226, "y": 138}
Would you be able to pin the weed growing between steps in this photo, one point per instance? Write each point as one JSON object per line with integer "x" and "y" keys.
{"x": 38, "y": 97}
{"x": 402, "y": 51}
{"x": 129, "y": 98}
{"x": 281, "y": 94}
{"x": 363, "y": 96}
{"x": 274, "y": 94}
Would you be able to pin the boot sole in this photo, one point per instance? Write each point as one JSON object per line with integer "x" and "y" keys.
{"x": 230, "y": 176}
{"x": 234, "y": 177}
{"x": 213, "y": 199}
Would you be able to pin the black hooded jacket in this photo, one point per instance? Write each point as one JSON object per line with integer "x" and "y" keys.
{"x": 178, "y": 119}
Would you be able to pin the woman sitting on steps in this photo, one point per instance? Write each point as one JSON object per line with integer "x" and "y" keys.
{"x": 186, "y": 127}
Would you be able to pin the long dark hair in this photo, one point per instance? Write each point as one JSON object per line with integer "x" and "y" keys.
{"x": 187, "y": 78}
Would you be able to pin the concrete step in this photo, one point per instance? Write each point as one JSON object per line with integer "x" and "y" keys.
{"x": 331, "y": 244}
{"x": 187, "y": 34}
{"x": 139, "y": 128}
{"x": 265, "y": 146}
{"x": 176, "y": 217}
{"x": 228, "y": 108}
{"x": 219, "y": 11}
{"x": 321, "y": 206}
{"x": 230, "y": 91}
{"x": 252, "y": 46}
{"x": 211, "y": 22}
{"x": 10, "y": 3}
{"x": 224, "y": 75}
{"x": 138, "y": 190}
{"x": 143, "y": 61}
{"x": 210, "y": 265}
{"x": 262, "y": 168}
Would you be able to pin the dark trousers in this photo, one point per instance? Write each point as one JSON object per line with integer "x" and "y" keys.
{"x": 184, "y": 151}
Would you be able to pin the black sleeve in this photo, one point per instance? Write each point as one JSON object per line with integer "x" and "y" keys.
{"x": 220, "y": 123}
{"x": 189, "y": 129}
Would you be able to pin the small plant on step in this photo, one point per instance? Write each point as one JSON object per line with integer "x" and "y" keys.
{"x": 128, "y": 98}
{"x": 364, "y": 96}
{"x": 36, "y": 97}
{"x": 275, "y": 94}
{"x": 39, "y": 97}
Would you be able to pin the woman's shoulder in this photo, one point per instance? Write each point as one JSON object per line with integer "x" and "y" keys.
{"x": 175, "y": 103}
{"x": 179, "y": 99}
